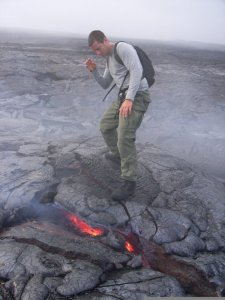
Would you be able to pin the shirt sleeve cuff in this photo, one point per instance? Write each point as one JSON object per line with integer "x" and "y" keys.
{"x": 129, "y": 96}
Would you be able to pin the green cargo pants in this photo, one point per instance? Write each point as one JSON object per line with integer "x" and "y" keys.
{"x": 119, "y": 133}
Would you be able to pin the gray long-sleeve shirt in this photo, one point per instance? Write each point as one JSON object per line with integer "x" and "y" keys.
{"x": 116, "y": 72}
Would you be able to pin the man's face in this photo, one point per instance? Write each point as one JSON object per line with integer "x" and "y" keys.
{"x": 100, "y": 49}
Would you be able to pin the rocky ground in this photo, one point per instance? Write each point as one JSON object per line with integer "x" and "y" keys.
{"x": 53, "y": 168}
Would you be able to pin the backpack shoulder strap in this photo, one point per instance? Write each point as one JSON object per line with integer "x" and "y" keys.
{"x": 108, "y": 92}
{"x": 118, "y": 59}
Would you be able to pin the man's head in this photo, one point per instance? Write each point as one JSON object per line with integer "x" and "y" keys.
{"x": 99, "y": 43}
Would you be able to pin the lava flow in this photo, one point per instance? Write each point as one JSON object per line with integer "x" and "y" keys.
{"x": 84, "y": 227}
{"x": 129, "y": 247}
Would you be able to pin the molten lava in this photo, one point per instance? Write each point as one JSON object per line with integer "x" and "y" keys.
{"x": 84, "y": 227}
{"x": 129, "y": 247}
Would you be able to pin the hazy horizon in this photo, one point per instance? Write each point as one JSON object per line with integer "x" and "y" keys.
{"x": 174, "y": 20}
{"x": 26, "y": 35}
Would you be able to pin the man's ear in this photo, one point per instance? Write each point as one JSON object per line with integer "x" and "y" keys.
{"x": 105, "y": 40}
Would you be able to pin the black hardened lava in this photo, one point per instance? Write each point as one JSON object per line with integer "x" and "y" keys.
{"x": 153, "y": 255}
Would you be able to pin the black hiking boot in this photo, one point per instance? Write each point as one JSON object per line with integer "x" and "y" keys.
{"x": 112, "y": 157}
{"x": 126, "y": 190}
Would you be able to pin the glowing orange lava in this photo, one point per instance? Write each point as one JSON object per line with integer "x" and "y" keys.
{"x": 84, "y": 227}
{"x": 129, "y": 247}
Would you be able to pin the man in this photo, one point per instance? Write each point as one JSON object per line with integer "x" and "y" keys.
{"x": 120, "y": 122}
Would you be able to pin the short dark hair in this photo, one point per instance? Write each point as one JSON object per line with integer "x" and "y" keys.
{"x": 96, "y": 35}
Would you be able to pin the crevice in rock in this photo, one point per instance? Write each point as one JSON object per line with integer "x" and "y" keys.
{"x": 163, "y": 166}
{"x": 46, "y": 195}
{"x": 154, "y": 222}
{"x": 130, "y": 282}
{"x": 53, "y": 249}
{"x": 126, "y": 211}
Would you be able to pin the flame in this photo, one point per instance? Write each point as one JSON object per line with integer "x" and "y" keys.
{"x": 129, "y": 247}
{"x": 84, "y": 227}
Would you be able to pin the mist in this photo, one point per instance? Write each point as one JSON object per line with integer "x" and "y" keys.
{"x": 169, "y": 20}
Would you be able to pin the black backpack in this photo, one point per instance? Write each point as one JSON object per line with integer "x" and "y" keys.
{"x": 148, "y": 70}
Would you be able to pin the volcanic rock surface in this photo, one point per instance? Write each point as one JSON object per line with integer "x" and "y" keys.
{"x": 53, "y": 166}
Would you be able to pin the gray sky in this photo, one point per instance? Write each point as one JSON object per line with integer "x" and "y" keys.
{"x": 188, "y": 20}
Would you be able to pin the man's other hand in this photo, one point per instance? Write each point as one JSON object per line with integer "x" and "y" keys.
{"x": 90, "y": 64}
{"x": 126, "y": 108}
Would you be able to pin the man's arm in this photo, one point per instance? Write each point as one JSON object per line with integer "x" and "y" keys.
{"x": 130, "y": 59}
{"x": 104, "y": 80}
{"x": 129, "y": 56}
